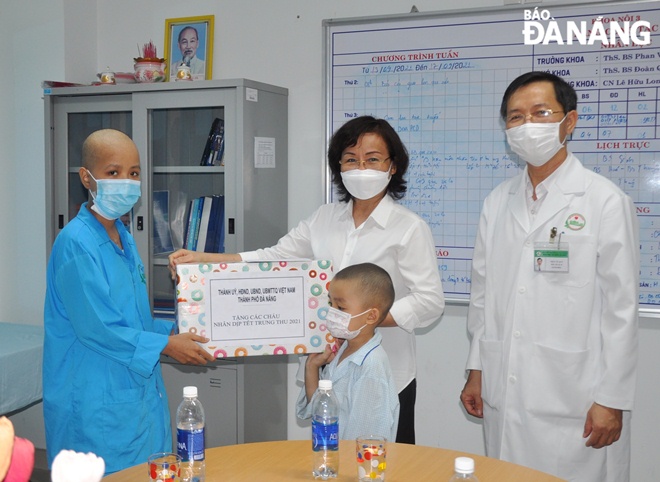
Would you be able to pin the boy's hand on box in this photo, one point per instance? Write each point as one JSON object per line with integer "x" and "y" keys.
{"x": 185, "y": 348}
{"x": 317, "y": 360}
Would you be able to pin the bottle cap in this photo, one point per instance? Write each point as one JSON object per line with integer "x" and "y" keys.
{"x": 325, "y": 384}
{"x": 464, "y": 465}
{"x": 190, "y": 392}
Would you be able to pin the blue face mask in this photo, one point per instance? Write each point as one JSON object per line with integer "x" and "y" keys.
{"x": 114, "y": 197}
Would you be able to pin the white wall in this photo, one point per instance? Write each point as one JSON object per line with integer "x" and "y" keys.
{"x": 278, "y": 42}
{"x": 7, "y": 152}
{"x": 32, "y": 49}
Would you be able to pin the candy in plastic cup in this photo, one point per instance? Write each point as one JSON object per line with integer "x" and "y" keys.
{"x": 165, "y": 466}
{"x": 370, "y": 452}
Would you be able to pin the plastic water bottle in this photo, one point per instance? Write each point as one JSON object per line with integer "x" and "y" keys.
{"x": 190, "y": 436}
{"x": 325, "y": 431}
{"x": 463, "y": 470}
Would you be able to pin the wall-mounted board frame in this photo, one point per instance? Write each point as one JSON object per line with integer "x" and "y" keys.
{"x": 438, "y": 78}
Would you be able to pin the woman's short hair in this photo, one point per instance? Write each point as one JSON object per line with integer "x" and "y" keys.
{"x": 349, "y": 134}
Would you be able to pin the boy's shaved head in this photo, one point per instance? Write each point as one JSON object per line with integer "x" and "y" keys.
{"x": 97, "y": 144}
{"x": 373, "y": 284}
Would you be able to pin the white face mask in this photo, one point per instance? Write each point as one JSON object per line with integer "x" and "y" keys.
{"x": 365, "y": 183}
{"x": 337, "y": 323}
{"x": 535, "y": 142}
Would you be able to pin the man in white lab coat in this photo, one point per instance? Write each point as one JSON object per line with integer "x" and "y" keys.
{"x": 553, "y": 354}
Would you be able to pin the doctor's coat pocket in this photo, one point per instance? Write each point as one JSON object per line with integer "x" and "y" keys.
{"x": 492, "y": 376}
{"x": 123, "y": 421}
{"x": 582, "y": 256}
{"x": 559, "y": 382}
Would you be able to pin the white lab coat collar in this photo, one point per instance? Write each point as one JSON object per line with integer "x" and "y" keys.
{"x": 570, "y": 180}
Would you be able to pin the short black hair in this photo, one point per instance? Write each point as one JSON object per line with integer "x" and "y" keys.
{"x": 374, "y": 283}
{"x": 349, "y": 134}
{"x": 564, "y": 92}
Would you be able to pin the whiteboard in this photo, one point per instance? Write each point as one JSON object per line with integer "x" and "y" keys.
{"x": 439, "y": 79}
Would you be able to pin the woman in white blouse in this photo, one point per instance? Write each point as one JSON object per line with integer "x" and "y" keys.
{"x": 368, "y": 163}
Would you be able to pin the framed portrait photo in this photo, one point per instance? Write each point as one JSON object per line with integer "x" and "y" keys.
{"x": 189, "y": 41}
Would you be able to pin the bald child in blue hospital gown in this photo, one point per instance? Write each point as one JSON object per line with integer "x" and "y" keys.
{"x": 103, "y": 389}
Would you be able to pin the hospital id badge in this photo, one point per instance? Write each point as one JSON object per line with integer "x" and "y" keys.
{"x": 550, "y": 258}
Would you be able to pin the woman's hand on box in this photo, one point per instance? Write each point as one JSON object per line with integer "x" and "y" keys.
{"x": 185, "y": 256}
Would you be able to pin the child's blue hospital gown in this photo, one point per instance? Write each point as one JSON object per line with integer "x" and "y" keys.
{"x": 103, "y": 389}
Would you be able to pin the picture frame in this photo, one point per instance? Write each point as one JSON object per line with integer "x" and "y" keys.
{"x": 189, "y": 38}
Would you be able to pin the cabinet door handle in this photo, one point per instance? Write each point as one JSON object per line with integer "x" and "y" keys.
{"x": 60, "y": 221}
{"x": 231, "y": 229}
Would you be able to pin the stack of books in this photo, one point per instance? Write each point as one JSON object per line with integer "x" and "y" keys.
{"x": 215, "y": 145}
{"x": 205, "y": 227}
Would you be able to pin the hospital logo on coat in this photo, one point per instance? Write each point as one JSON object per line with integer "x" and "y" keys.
{"x": 575, "y": 222}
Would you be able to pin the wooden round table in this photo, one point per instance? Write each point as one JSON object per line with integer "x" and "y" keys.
{"x": 289, "y": 461}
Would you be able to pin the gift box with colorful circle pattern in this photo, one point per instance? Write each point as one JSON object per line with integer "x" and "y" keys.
{"x": 256, "y": 308}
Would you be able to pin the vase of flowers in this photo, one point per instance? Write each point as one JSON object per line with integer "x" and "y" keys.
{"x": 149, "y": 67}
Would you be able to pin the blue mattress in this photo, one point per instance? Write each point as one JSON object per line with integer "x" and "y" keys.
{"x": 21, "y": 355}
